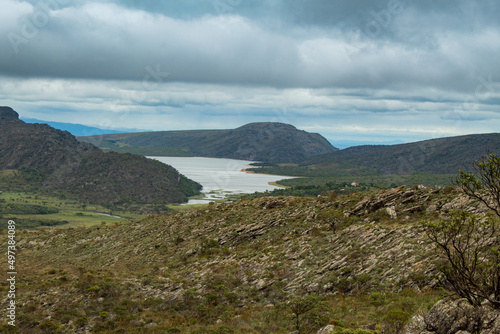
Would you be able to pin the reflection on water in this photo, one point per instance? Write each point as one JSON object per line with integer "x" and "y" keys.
{"x": 220, "y": 176}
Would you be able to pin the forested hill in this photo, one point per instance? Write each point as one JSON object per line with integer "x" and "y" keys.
{"x": 39, "y": 157}
{"x": 443, "y": 155}
{"x": 269, "y": 142}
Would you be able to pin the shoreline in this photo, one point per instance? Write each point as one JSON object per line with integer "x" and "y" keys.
{"x": 252, "y": 172}
{"x": 275, "y": 184}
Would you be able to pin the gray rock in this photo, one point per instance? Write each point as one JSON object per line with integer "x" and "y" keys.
{"x": 326, "y": 330}
{"x": 447, "y": 315}
{"x": 459, "y": 317}
{"x": 416, "y": 325}
{"x": 391, "y": 211}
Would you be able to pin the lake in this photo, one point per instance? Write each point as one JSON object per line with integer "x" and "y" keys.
{"x": 221, "y": 176}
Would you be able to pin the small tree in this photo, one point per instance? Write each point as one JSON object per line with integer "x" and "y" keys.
{"x": 308, "y": 310}
{"x": 471, "y": 246}
{"x": 471, "y": 249}
{"x": 484, "y": 186}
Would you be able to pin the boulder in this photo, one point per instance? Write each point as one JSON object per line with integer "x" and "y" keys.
{"x": 391, "y": 211}
{"x": 459, "y": 317}
{"x": 448, "y": 317}
{"x": 326, "y": 330}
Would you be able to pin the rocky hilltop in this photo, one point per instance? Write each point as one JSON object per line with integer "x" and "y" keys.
{"x": 54, "y": 161}
{"x": 268, "y": 142}
{"x": 238, "y": 267}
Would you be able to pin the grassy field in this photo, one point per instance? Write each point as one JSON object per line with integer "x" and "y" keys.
{"x": 14, "y": 205}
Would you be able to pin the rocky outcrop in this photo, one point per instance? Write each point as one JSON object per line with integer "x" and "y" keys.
{"x": 401, "y": 202}
{"x": 7, "y": 114}
{"x": 258, "y": 252}
{"x": 390, "y": 199}
{"x": 459, "y": 317}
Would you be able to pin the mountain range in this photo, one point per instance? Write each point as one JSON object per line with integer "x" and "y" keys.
{"x": 74, "y": 129}
{"x": 269, "y": 142}
{"x": 437, "y": 156}
{"x": 277, "y": 143}
{"x": 46, "y": 159}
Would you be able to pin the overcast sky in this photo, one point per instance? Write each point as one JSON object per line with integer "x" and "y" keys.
{"x": 368, "y": 70}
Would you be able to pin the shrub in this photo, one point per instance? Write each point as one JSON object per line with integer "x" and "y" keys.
{"x": 48, "y": 327}
{"x": 485, "y": 185}
{"x": 378, "y": 298}
{"x": 395, "y": 321}
{"x": 470, "y": 249}
{"x": 81, "y": 322}
{"x": 309, "y": 312}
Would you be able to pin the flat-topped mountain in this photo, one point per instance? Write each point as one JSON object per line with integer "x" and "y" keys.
{"x": 269, "y": 142}
{"x": 58, "y": 162}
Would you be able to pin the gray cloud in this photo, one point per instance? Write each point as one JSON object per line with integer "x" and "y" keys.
{"x": 110, "y": 41}
{"x": 246, "y": 58}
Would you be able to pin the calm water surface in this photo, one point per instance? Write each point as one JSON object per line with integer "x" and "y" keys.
{"x": 220, "y": 176}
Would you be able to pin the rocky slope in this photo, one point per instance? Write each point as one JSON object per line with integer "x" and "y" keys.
{"x": 80, "y": 170}
{"x": 269, "y": 142}
{"x": 184, "y": 271}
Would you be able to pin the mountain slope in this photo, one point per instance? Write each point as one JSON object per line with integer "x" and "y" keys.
{"x": 270, "y": 142}
{"x": 82, "y": 171}
{"x": 443, "y": 155}
{"x": 227, "y": 268}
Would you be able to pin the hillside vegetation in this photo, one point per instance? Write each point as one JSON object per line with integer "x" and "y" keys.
{"x": 437, "y": 156}
{"x": 361, "y": 259}
{"x": 430, "y": 162}
{"x": 271, "y": 142}
{"x": 39, "y": 158}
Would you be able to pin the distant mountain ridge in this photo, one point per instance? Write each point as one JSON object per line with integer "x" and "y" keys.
{"x": 74, "y": 129}
{"x": 60, "y": 163}
{"x": 268, "y": 142}
{"x": 343, "y": 144}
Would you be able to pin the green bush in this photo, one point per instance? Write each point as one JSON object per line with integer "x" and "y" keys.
{"x": 395, "y": 321}
{"x": 377, "y": 298}
{"x": 48, "y": 327}
{"x": 81, "y": 322}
